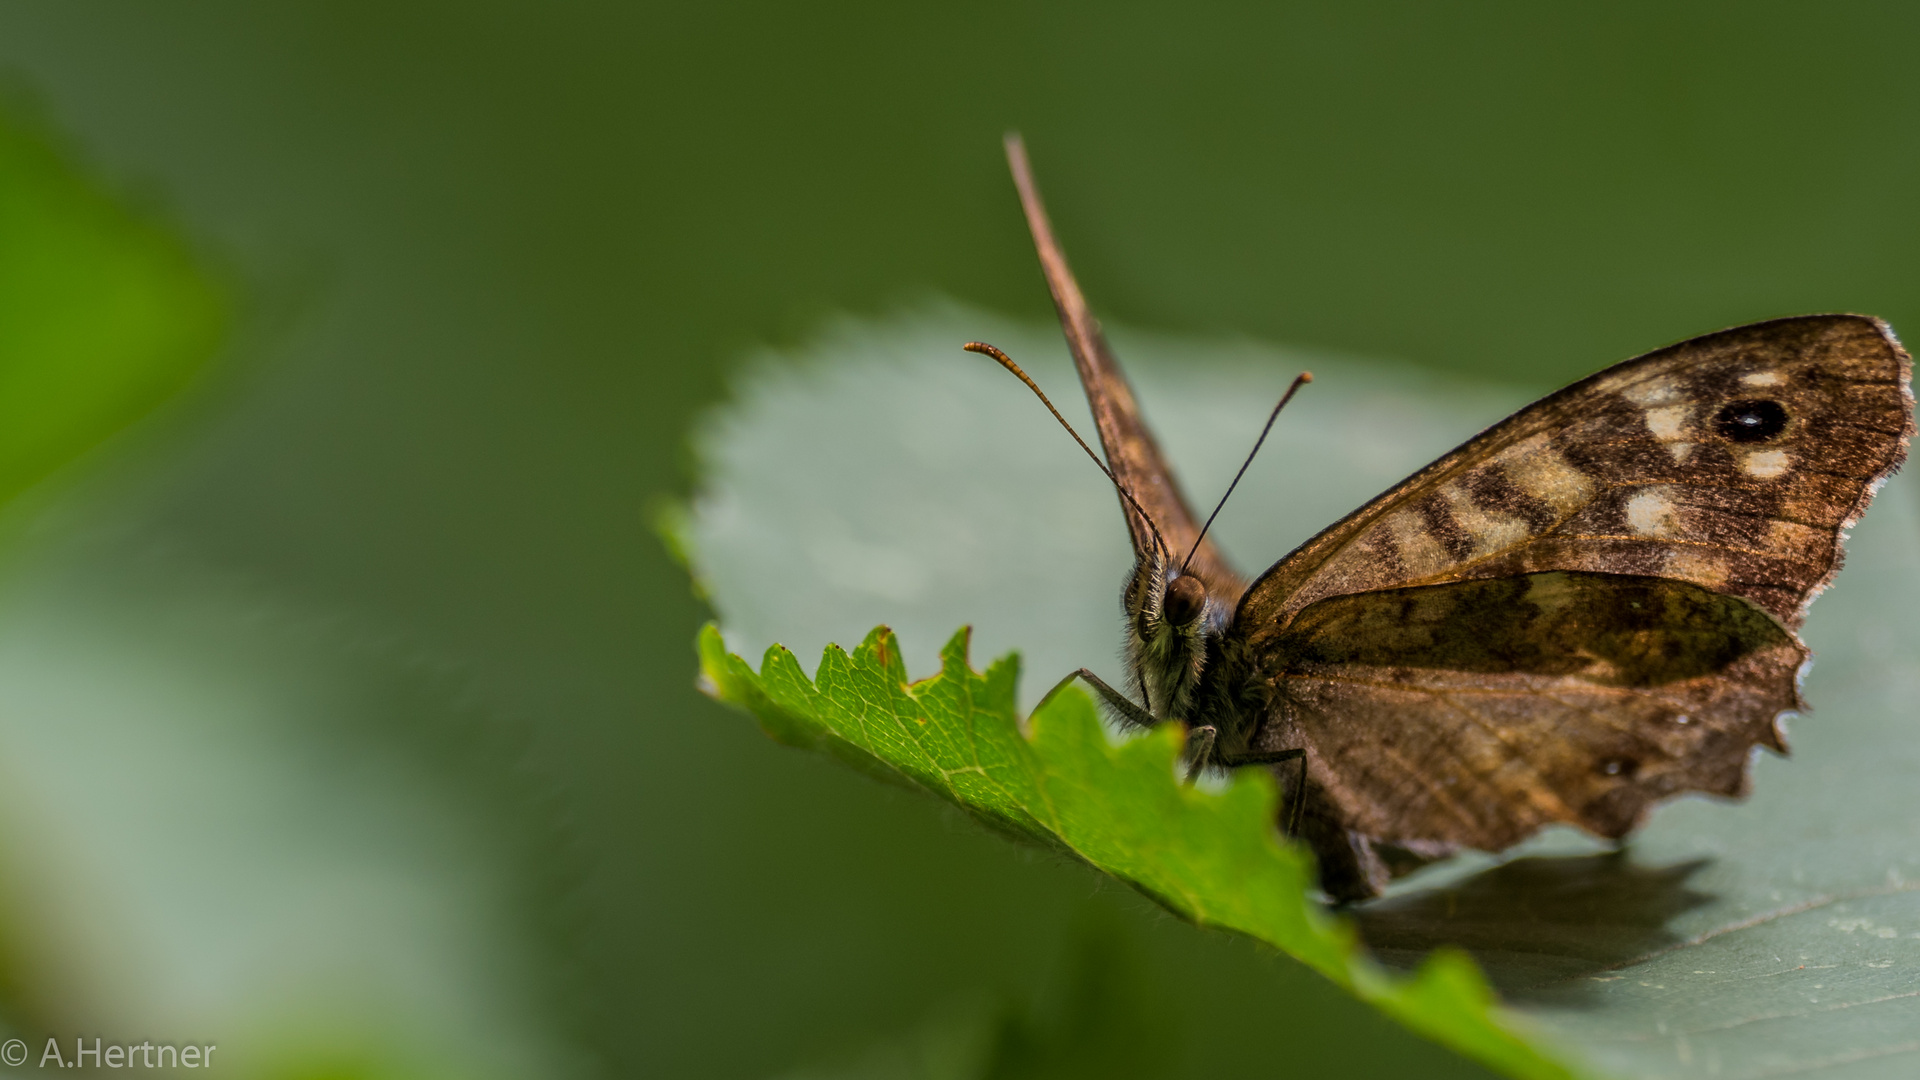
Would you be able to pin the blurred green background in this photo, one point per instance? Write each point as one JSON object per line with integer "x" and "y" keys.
{"x": 386, "y": 576}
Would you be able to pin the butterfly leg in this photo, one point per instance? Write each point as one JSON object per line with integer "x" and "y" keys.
{"x": 1199, "y": 740}
{"x": 1199, "y": 747}
{"x": 1119, "y": 702}
{"x": 1297, "y": 793}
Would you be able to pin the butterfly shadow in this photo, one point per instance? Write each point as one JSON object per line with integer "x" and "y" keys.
{"x": 1542, "y": 926}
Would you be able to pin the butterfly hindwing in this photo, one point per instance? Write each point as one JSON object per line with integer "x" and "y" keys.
{"x": 1474, "y": 713}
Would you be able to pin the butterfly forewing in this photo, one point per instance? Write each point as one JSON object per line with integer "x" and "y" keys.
{"x": 1732, "y": 461}
{"x": 1135, "y": 458}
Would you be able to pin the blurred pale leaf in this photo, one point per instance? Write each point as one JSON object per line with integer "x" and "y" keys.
{"x": 207, "y": 830}
{"x": 885, "y": 477}
{"x": 103, "y": 313}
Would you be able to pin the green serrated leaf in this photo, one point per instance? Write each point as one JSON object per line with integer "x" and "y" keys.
{"x": 1212, "y": 858}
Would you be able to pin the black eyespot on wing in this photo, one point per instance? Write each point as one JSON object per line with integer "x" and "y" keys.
{"x": 1751, "y": 421}
{"x": 1623, "y": 768}
{"x": 1184, "y": 601}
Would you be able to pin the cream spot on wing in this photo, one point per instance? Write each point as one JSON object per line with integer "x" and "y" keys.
{"x": 1695, "y": 565}
{"x": 1490, "y": 531}
{"x": 1650, "y": 512}
{"x": 1549, "y": 592}
{"x": 1667, "y": 423}
{"x": 1796, "y": 538}
{"x": 1763, "y": 378}
{"x": 1767, "y": 464}
{"x": 1420, "y": 552}
{"x": 1681, "y": 451}
{"x": 1659, "y": 390}
{"x": 1539, "y": 470}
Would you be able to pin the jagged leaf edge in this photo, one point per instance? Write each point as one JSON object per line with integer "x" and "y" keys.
{"x": 1447, "y": 999}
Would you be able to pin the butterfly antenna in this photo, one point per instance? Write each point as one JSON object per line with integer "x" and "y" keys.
{"x": 1006, "y": 361}
{"x": 1299, "y": 380}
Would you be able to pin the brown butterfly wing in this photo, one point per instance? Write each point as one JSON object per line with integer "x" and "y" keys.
{"x": 1473, "y": 714}
{"x": 1132, "y": 453}
{"x": 1512, "y": 636}
{"x": 1646, "y": 469}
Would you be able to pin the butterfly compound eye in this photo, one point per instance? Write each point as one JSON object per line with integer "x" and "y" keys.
{"x": 1185, "y": 597}
{"x": 1751, "y": 421}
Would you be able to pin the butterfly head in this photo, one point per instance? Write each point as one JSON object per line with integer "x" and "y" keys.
{"x": 1172, "y": 623}
{"x": 1184, "y": 601}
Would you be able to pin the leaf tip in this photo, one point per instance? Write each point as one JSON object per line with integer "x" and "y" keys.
{"x": 958, "y": 647}
{"x": 882, "y": 649}
{"x": 711, "y": 648}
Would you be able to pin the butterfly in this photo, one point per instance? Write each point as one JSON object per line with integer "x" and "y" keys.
{"x": 1586, "y": 609}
